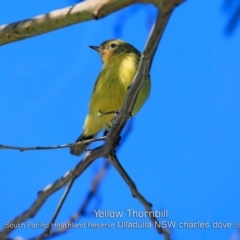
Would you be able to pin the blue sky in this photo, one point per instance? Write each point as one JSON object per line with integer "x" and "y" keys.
{"x": 183, "y": 152}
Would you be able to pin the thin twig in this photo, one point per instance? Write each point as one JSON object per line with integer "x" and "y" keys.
{"x": 22, "y": 149}
{"x": 47, "y": 231}
{"x": 136, "y": 194}
{"x": 76, "y": 216}
{"x": 50, "y": 189}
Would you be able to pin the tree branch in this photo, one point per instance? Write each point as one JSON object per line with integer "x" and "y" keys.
{"x": 93, "y": 191}
{"x": 81, "y": 211}
{"x": 135, "y": 193}
{"x": 47, "y": 231}
{"x": 50, "y": 189}
{"x": 67, "y": 145}
{"x": 141, "y": 76}
{"x": 84, "y": 11}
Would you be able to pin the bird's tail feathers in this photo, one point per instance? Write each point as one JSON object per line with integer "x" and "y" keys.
{"x": 79, "y": 149}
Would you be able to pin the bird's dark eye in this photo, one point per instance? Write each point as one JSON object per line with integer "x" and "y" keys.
{"x": 113, "y": 45}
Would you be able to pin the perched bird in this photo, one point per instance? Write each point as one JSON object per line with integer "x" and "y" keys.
{"x": 120, "y": 64}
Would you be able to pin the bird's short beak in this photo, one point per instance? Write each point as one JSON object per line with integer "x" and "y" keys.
{"x": 96, "y": 48}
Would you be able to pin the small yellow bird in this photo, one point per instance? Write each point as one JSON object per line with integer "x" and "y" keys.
{"x": 120, "y": 64}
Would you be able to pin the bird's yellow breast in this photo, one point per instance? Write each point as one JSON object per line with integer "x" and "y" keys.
{"x": 111, "y": 89}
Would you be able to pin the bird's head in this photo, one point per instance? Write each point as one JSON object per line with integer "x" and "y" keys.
{"x": 115, "y": 49}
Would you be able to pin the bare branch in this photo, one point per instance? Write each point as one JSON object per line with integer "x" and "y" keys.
{"x": 84, "y": 11}
{"x": 141, "y": 76}
{"x": 135, "y": 193}
{"x": 22, "y": 149}
{"x": 92, "y": 192}
{"x": 50, "y": 189}
{"x": 47, "y": 231}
